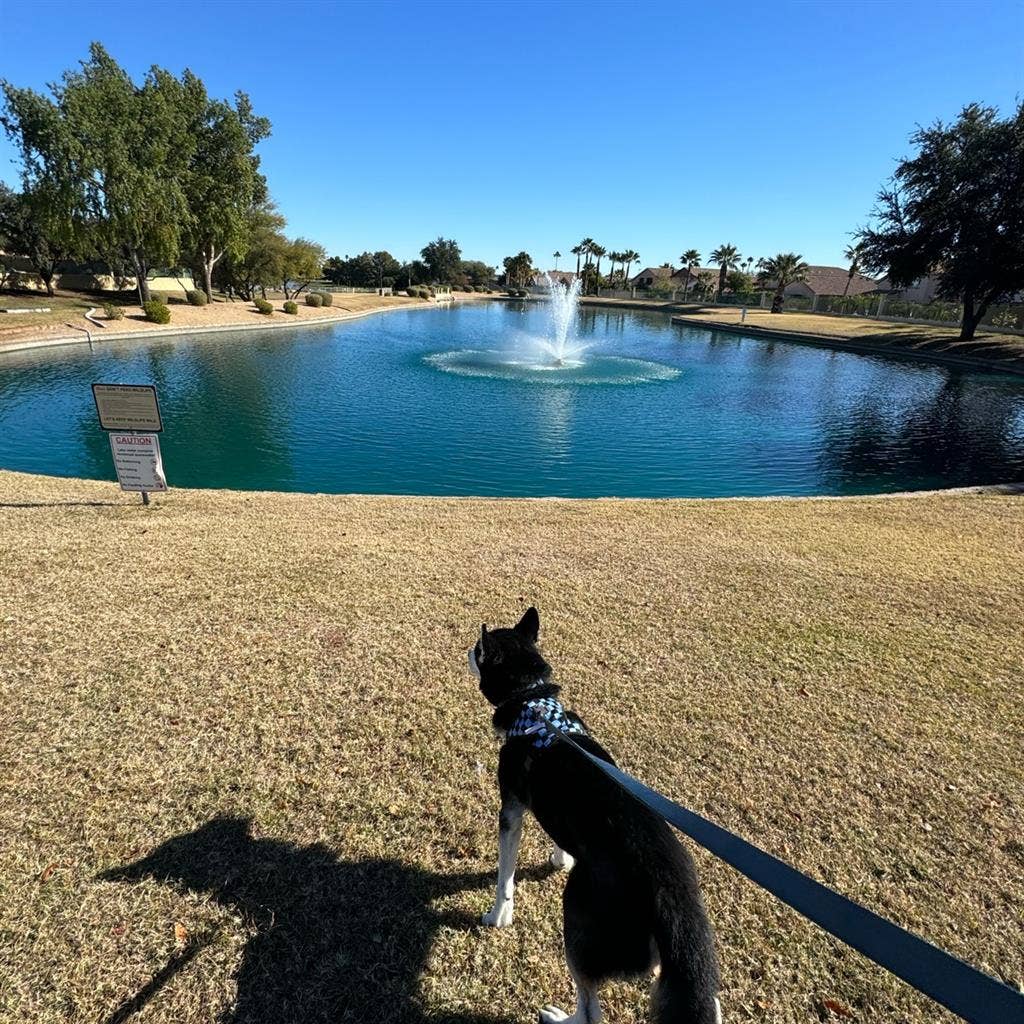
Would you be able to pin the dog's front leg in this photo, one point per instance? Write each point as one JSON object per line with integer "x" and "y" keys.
{"x": 510, "y": 831}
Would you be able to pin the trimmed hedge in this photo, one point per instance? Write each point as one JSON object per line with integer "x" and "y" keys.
{"x": 291, "y": 307}
{"x": 412, "y": 292}
{"x": 112, "y": 312}
{"x": 326, "y": 298}
{"x": 314, "y": 299}
{"x": 156, "y": 312}
{"x": 264, "y": 307}
{"x": 196, "y": 297}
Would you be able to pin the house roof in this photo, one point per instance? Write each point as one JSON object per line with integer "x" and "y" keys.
{"x": 655, "y": 272}
{"x": 696, "y": 272}
{"x": 832, "y": 281}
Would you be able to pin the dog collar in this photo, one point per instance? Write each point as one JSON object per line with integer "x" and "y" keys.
{"x": 542, "y": 719}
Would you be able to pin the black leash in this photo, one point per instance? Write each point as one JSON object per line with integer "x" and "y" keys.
{"x": 954, "y": 984}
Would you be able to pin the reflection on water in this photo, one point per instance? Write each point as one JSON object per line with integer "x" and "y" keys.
{"x": 655, "y": 410}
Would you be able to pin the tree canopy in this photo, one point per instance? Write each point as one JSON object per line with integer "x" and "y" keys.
{"x": 778, "y": 272}
{"x": 956, "y": 210}
{"x": 145, "y": 175}
{"x": 442, "y": 258}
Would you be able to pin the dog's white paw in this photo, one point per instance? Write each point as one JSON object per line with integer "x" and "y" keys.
{"x": 551, "y": 1015}
{"x": 499, "y": 916}
{"x": 561, "y": 860}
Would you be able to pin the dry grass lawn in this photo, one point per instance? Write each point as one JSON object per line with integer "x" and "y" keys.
{"x": 69, "y": 309}
{"x": 256, "y": 705}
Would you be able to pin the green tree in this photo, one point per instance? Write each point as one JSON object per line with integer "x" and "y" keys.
{"x": 223, "y": 181}
{"x": 739, "y": 282}
{"x": 31, "y": 226}
{"x": 442, "y": 257}
{"x": 577, "y": 251}
{"x": 956, "y": 210}
{"x": 629, "y": 257}
{"x": 116, "y": 155}
{"x": 301, "y": 262}
{"x": 385, "y": 268}
{"x": 261, "y": 262}
{"x": 853, "y": 254}
{"x": 597, "y": 251}
{"x": 518, "y": 269}
{"x": 556, "y": 256}
{"x": 689, "y": 259}
{"x": 779, "y": 272}
{"x": 726, "y": 258}
{"x": 476, "y": 272}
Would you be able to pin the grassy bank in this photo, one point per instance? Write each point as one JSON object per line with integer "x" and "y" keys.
{"x": 274, "y": 685}
{"x": 67, "y": 318}
{"x": 1006, "y": 350}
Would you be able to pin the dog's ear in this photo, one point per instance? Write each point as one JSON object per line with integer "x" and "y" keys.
{"x": 529, "y": 625}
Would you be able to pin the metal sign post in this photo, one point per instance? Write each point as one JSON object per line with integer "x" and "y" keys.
{"x": 130, "y": 413}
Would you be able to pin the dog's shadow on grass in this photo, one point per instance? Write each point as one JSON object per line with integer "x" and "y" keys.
{"x": 335, "y": 940}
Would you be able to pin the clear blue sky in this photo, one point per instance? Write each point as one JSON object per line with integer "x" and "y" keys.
{"x": 507, "y": 126}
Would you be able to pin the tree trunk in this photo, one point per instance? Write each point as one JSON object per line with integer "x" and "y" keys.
{"x": 210, "y": 259}
{"x": 686, "y": 286}
{"x": 972, "y": 316}
{"x": 141, "y": 277}
{"x": 721, "y": 283}
{"x": 777, "y": 298}
{"x": 849, "y": 279}
{"x": 47, "y": 275}
{"x": 577, "y": 264}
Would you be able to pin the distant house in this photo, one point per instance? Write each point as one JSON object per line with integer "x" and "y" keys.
{"x": 649, "y": 275}
{"x": 822, "y": 281}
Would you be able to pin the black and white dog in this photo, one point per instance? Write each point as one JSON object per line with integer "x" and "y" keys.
{"x": 632, "y": 902}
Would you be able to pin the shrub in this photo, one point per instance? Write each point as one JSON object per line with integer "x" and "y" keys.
{"x": 158, "y": 297}
{"x": 156, "y": 312}
{"x": 196, "y": 297}
{"x": 112, "y": 312}
{"x": 423, "y": 293}
{"x": 326, "y": 298}
{"x": 314, "y": 299}
{"x": 291, "y": 307}
{"x": 522, "y": 293}
{"x": 264, "y": 307}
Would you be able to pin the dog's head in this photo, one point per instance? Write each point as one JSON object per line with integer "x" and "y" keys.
{"x": 507, "y": 660}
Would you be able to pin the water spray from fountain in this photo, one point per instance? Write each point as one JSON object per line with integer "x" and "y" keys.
{"x": 563, "y": 302}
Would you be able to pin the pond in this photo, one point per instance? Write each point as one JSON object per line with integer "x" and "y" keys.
{"x": 436, "y": 401}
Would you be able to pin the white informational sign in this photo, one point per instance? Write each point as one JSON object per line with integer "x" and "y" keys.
{"x": 127, "y": 407}
{"x": 137, "y": 461}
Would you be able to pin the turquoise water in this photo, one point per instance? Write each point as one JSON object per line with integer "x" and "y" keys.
{"x": 437, "y": 402}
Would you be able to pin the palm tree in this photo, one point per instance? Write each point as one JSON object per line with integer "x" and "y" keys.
{"x": 785, "y": 269}
{"x": 577, "y": 251}
{"x": 598, "y": 251}
{"x": 689, "y": 259}
{"x": 629, "y": 257}
{"x": 727, "y": 258}
{"x": 854, "y": 253}
{"x": 587, "y": 245}
{"x": 557, "y": 256}
{"x": 615, "y": 257}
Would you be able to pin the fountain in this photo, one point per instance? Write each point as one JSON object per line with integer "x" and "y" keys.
{"x": 553, "y": 355}
{"x": 563, "y": 301}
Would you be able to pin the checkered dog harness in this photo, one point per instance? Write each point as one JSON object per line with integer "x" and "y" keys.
{"x": 541, "y": 719}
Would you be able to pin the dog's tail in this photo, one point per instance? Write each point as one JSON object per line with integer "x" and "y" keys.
{"x": 685, "y": 992}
